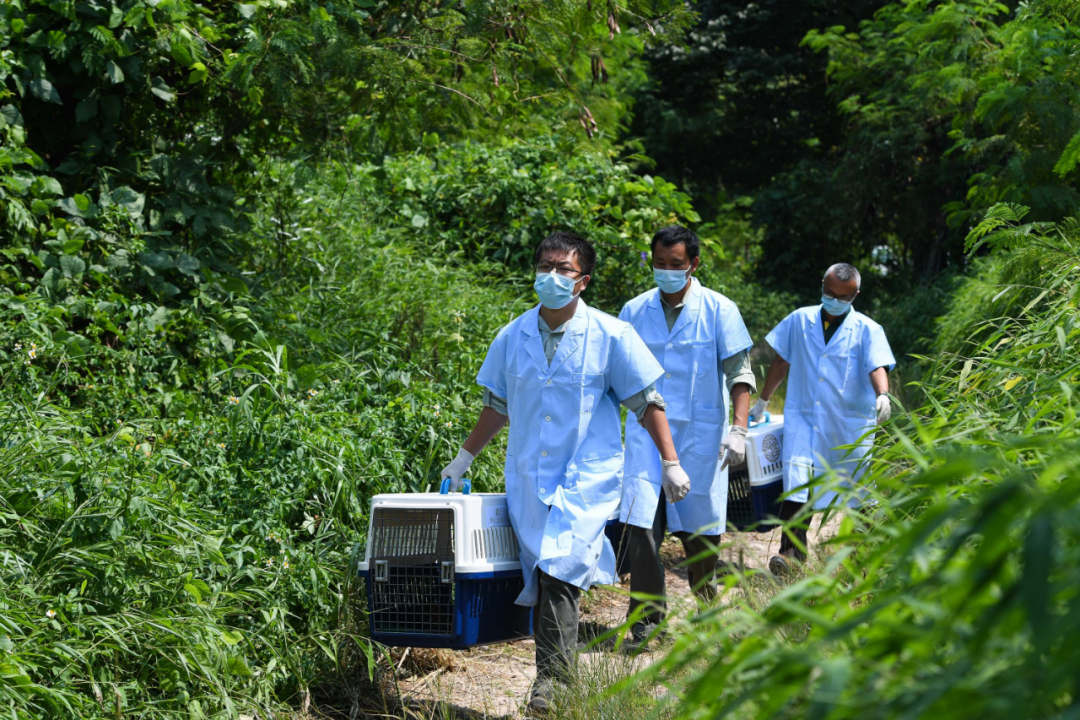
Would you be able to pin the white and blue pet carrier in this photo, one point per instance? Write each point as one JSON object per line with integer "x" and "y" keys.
{"x": 755, "y": 487}
{"x": 442, "y": 570}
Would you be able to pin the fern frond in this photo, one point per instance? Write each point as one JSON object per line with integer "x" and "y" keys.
{"x": 1070, "y": 156}
{"x": 1001, "y": 215}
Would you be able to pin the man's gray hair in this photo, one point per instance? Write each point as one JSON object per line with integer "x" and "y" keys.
{"x": 844, "y": 272}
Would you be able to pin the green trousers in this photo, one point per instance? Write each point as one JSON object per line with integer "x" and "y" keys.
{"x": 647, "y": 572}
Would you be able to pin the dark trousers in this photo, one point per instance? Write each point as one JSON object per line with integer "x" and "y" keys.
{"x": 788, "y": 547}
{"x": 647, "y": 572}
{"x": 555, "y": 627}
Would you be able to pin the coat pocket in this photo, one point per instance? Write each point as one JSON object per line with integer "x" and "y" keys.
{"x": 600, "y": 478}
{"x": 592, "y": 388}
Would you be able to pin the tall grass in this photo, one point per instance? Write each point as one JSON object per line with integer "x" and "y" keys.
{"x": 955, "y": 597}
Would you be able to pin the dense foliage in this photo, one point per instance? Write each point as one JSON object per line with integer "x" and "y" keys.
{"x": 251, "y": 257}
{"x": 744, "y": 99}
{"x": 885, "y": 148}
{"x": 176, "y": 536}
{"x": 131, "y": 133}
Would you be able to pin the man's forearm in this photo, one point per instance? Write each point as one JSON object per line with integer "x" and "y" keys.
{"x": 879, "y": 379}
{"x": 656, "y": 424}
{"x": 777, "y": 372}
{"x": 740, "y": 402}
{"x": 487, "y": 426}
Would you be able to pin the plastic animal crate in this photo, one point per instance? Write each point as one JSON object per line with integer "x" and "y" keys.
{"x": 442, "y": 571}
{"x": 755, "y": 486}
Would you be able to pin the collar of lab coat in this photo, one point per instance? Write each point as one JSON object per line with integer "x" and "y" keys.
{"x": 845, "y": 327}
{"x": 691, "y": 305}
{"x": 534, "y": 345}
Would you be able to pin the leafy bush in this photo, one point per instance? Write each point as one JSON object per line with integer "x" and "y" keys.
{"x": 151, "y": 495}
{"x": 498, "y": 202}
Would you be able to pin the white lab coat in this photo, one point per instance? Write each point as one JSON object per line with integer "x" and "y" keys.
{"x": 708, "y": 330}
{"x": 564, "y": 457}
{"x": 830, "y": 401}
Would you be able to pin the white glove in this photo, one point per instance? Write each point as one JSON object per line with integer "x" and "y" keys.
{"x": 735, "y": 444}
{"x": 457, "y": 469}
{"x": 758, "y": 411}
{"x": 883, "y": 407}
{"x": 674, "y": 480}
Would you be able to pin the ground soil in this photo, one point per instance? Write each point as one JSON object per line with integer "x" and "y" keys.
{"x": 493, "y": 681}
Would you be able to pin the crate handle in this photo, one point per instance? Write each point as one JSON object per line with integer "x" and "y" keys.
{"x": 446, "y": 572}
{"x": 444, "y": 486}
{"x": 768, "y": 417}
{"x": 381, "y": 568}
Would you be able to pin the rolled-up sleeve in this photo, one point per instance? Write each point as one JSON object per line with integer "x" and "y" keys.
{"x": 737, "y": 370}
{"x": 639, "y": 402}
{"x": 496, "y": 403}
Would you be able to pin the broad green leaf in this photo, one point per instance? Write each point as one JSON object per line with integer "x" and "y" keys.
{"x": 72, "y": 266}
{"x": 86, "y": 110}
{"x": 46, "y": 185}
{"x": 236, "y": 666}
{"x": 43, "y": 90}
{"x": 187, "y": 264}
{"x": 114, "y": 73}
{"x": 193, "y": 591}
{"x": 73, "y": 245}
{"x": 162, "y": 90}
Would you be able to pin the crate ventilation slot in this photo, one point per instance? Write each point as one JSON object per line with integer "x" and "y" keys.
{"x": 495, "y": 543}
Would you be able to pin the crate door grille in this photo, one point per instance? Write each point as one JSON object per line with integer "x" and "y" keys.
{"x": 740, "y": 505}
{"x": 414, "y": 544}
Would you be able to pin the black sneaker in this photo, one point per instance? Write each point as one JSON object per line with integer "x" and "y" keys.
{"x": 542, "y": 698}
{"x": 782, "y": 566}
{"x": 639, "y": 638}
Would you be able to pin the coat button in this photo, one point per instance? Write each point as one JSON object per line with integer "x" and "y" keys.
{"x": 543, "y": 453}
{"x": 668, "y": 375}
{"x": 818, "y": 402}
{"x": 821, "y": 379}
{"x": 669, "y": 345}
{"x": 547, "y": 418}
{"x": 543, "y": 490}
{"x": 548, "y": 381}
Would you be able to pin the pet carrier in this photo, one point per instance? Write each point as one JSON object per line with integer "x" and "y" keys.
{"x": 755, "y": 486}
{"x": 442, "y": 570}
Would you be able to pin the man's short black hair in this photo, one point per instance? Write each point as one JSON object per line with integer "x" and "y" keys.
{"x": 568, "y": 242}
{"x": 675, "y": 234}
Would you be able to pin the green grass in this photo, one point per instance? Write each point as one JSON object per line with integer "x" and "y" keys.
{"x": 955, "y": 597}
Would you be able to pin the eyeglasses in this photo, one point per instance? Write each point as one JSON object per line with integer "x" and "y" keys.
{"x": 841, "y": 298}
{"x": 564, "y": 270}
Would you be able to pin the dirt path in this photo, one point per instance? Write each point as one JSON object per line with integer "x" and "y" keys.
{"x": 492, "y": 681}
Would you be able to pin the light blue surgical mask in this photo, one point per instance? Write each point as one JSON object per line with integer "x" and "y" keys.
{"x": 554, "y": 290}
{"x": 670, "y": 281}
{"x": 834, "y": 307}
